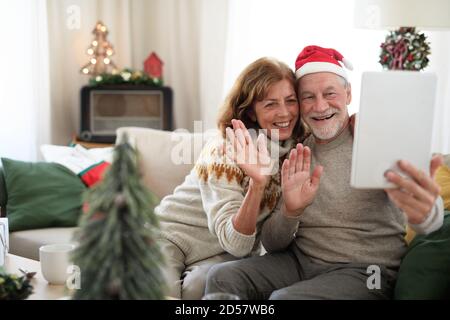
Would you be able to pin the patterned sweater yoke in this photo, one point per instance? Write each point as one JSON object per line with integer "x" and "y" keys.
{"x": 198, "y": 215}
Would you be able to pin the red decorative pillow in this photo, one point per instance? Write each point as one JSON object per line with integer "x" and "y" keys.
{"x": 94, "y": 173}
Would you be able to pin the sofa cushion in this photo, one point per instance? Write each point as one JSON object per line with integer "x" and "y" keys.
{"x": 443, "y": 179}
{"x": 3, "y": 194}
{"x": 41, "y": 195}
{"x": 27, "y": 243}
{"x": 447, "y": 159}
{"x": 165, "y": 157}
{"x": 425, "y": 270}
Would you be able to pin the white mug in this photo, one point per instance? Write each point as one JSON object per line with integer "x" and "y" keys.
{"x": 4, "y": 240}
{"x": 55, "y": 260}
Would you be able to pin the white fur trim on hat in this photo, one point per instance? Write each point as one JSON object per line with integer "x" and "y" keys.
{"x": 314, "y": 67}
{"x": 347, "y": 64}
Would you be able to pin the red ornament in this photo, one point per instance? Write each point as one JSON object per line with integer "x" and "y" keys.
{"x": 153, "y": 66}
{"x": 85, "y": 208}
{"x": 98, "y": 216}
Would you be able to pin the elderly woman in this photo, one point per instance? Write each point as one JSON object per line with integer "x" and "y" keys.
{"x": 216, "y": 214}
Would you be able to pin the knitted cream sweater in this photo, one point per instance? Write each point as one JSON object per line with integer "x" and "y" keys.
{"x": 343, "y": 224}
{"x": 197, "y": 217}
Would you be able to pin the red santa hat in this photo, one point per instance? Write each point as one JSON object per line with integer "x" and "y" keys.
{"x": 315, "y": 59}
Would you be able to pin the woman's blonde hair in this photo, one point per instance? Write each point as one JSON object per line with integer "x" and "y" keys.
{"x": 252, "y": 85}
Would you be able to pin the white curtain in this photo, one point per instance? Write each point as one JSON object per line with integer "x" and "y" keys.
{"x": 24, "y": 84}
{"x": 185, "y": 34}
{"x": 440, "y": 64}
{"x": 282, "y": 28}
{"x": 204, "y": 45}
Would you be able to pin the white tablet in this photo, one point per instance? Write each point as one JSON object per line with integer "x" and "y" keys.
{"x": 395, "y": 121}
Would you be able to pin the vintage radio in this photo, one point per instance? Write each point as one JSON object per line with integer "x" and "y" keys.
{"x": 106, "y": 108}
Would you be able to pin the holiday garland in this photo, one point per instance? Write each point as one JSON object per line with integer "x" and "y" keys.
{"x": 13, "y": 287}
{"x": 405, "y": 49}
{"x": 126, "y": 76}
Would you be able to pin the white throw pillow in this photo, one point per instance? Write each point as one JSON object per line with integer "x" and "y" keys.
{"x": 76, "y": 158}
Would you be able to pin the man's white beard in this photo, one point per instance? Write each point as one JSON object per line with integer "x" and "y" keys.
{"x": 326, "y": 133}
{"x": 330, "y": 131}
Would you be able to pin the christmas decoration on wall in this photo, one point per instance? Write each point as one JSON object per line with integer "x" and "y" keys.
{"x": 13, "y": 287}
{"x": 100, "y": 52}
{"x": 117, "y": 252}
{"x": 153, "y": 66}
{"x": 405, "y": 49}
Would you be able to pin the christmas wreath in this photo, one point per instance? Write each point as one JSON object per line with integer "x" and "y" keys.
{"x": 405, "y": 49}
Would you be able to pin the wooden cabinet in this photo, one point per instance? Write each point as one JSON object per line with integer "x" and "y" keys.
{"x": 89, "y": 145}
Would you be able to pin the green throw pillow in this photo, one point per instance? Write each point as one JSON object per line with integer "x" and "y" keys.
{"x": 3, "y": 196}
{"x": 425, "y": 270}
{"x": 41, "y": 195}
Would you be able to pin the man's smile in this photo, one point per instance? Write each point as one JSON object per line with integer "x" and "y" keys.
{"x": 324, "y": 117}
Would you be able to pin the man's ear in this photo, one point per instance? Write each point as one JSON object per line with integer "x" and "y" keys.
{"x": 348, "y": 91}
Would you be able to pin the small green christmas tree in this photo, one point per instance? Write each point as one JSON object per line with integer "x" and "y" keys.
{"x": 117, "y": 253}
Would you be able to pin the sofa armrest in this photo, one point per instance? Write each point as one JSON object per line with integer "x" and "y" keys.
{"x": 447, "y": 160}
{"x": 3, "y": 194}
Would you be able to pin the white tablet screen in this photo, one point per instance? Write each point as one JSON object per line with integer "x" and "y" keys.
{"x": 395, "y": 121}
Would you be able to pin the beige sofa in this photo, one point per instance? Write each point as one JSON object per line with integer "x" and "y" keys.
{"x": 160, "y": 155}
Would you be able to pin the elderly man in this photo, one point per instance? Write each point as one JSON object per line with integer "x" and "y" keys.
{"x": 328, "y": 240}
